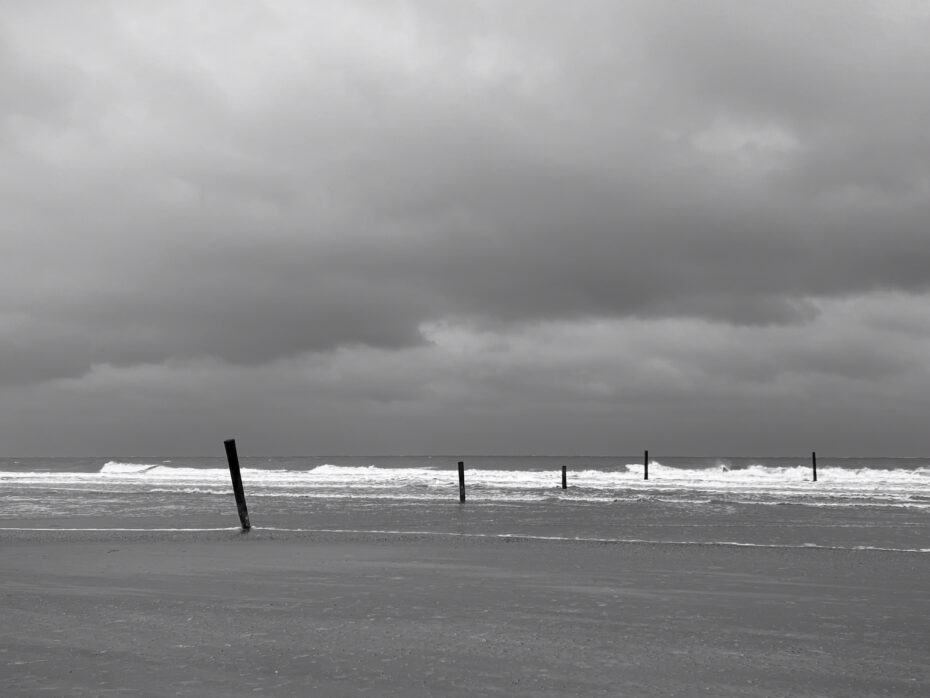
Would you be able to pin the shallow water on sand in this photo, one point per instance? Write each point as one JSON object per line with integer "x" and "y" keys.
{"x": 881, "y": 503}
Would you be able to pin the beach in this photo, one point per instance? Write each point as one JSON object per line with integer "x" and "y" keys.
{"x": 212, "y": 613}
{"x": 742, "y": 578}
{"x": 419, "y": 348}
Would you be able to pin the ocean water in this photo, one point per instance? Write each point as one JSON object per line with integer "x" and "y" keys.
{"x": 856, "y": 503}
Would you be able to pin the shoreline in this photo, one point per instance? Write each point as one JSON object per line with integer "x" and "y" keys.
{"x": 154, "y": 534}
{"x": 724, "y": 523}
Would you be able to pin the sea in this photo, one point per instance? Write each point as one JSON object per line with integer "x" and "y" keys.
{"x": 854, "y": 504}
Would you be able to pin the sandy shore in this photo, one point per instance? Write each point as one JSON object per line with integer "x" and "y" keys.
{"x": 204, "y": 614}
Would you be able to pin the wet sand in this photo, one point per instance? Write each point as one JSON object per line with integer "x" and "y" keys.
{"x": 219, "y": 613}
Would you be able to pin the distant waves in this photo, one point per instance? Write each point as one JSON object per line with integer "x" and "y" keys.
{"x": 754, "y": 483}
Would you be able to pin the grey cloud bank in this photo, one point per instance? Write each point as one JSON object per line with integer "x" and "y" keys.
{"x": 532, "y": 226}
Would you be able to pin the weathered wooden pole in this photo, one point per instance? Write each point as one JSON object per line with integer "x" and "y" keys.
{"x": 814, "y": 463}
{"x": 461, "y": 481}
{"x": 564, "y": 477}
{"x": 233, "y": 459}
{"x": 646, "y": 466}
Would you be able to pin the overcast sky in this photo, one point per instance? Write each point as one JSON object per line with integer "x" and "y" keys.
{"x": 524, "y": 226}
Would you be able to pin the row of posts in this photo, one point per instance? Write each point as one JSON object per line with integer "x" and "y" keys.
{"x": 565, "y": 473}
{"x": 233, "y": 458}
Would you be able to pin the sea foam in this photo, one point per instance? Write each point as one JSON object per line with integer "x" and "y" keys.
{"x": 754, "y": 482}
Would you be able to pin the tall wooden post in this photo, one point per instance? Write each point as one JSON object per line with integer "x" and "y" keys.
{"x": 461, "y": 481}
{"x": 233, "y": 459}
{"x": 814, "y": 463}
{"x": 646, "y": 466}
{"x": 564, "y": 477}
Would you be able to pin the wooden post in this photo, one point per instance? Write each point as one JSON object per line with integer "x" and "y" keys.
{"x": 646, "y": 466}
{"x": 814, "y": 463}
{"x": 564, "y": 477}
{"x": 461, "y": 481}
{"x": 233, "y": 459}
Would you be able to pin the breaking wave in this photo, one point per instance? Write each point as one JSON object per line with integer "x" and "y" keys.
{"x": 755, "y": 482}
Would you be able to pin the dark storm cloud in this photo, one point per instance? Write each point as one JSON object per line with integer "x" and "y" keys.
{"x": 849, "y": 381}
{"x": 253, "y": 182}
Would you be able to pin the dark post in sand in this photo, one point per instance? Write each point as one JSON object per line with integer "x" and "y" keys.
{"x": 233, "y": 459}
{"x": 814, "y": 463}
{"x": 564, "y": 477}
{"x": 646, "y": 466}
{"x": 461, "y": 481}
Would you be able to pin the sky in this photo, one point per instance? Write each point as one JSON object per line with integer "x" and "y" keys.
{"x": 449, "y": 227}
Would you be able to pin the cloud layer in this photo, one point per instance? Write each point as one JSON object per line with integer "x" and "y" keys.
{"x": 548, "y": 213}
